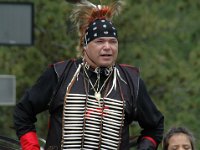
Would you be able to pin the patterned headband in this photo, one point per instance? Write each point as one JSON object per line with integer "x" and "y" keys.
{"x": 99, "y": 28}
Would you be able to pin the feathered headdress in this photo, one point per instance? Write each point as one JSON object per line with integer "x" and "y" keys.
{"x": 85, "y": 12}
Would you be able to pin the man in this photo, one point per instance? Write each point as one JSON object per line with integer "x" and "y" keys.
{"x": 92, "y": 100}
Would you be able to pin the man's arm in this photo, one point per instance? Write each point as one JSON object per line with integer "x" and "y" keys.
{"x": 34, "y": 101}
{"x": 150, "y": 119}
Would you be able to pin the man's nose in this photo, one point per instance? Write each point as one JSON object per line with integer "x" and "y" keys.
{"x": 107, "y": 45}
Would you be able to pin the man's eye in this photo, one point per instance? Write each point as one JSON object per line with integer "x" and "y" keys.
{"x": 113, "y": 41}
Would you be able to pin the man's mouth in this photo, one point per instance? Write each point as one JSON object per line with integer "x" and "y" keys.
{"x": 106, "y": 55}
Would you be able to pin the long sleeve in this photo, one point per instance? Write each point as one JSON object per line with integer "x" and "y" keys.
{"x": 150, "y": 119}
{"x": 34, "y": 101}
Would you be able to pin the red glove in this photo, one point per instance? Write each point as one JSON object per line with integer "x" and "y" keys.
{"x": 29, "y": 141}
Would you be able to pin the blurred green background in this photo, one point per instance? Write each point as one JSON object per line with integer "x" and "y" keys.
{"x": 161, "y": 37}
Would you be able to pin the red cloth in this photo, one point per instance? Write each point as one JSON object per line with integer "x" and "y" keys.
{"x": 29, "y": 141}
{"x": 151, "y": 139}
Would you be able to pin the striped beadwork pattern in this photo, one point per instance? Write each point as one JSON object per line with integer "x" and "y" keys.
{"x": 91, "y": 124}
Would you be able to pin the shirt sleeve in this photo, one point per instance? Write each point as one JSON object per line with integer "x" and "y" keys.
{"x": 34, "y": 101}
{"x": 149, "y": 117}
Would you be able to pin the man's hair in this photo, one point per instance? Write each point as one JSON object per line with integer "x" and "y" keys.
{"x": 176, "y": 130}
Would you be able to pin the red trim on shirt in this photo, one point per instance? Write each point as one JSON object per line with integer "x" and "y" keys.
{"x": 151, "y": 139}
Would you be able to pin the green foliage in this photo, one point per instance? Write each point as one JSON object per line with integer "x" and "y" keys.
{"x": 161, "y": 37}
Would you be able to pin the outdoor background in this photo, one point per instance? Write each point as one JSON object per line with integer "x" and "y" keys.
{"x": 161, "y": 37}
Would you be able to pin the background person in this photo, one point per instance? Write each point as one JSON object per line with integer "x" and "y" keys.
{"x": 178, "y": 138}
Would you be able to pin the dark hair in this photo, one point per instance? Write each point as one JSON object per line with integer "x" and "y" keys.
{"x": 175, "y": 130}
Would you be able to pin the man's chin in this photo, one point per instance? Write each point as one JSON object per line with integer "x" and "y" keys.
{"x": 107, "y": 65}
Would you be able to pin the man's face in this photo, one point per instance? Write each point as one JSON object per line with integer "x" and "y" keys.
{"x": 101, "y": 52}
{"x": 179, "y": 141}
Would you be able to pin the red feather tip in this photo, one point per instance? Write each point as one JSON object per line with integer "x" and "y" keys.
{"x": 102, "y": 13}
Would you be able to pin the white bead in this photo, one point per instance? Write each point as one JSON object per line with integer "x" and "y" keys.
{"x": 97, "y": 95}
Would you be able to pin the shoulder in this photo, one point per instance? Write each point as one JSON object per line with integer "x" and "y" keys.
{"x": 61, "y": 63}
{"x": 129, "y": 68}
{"x": 60, "y": 66}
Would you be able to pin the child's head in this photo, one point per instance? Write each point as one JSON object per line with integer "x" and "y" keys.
{"x": 178, "y": 138}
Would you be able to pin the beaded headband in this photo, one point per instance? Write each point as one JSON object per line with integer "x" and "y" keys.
{"x": 99, "y": 28}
